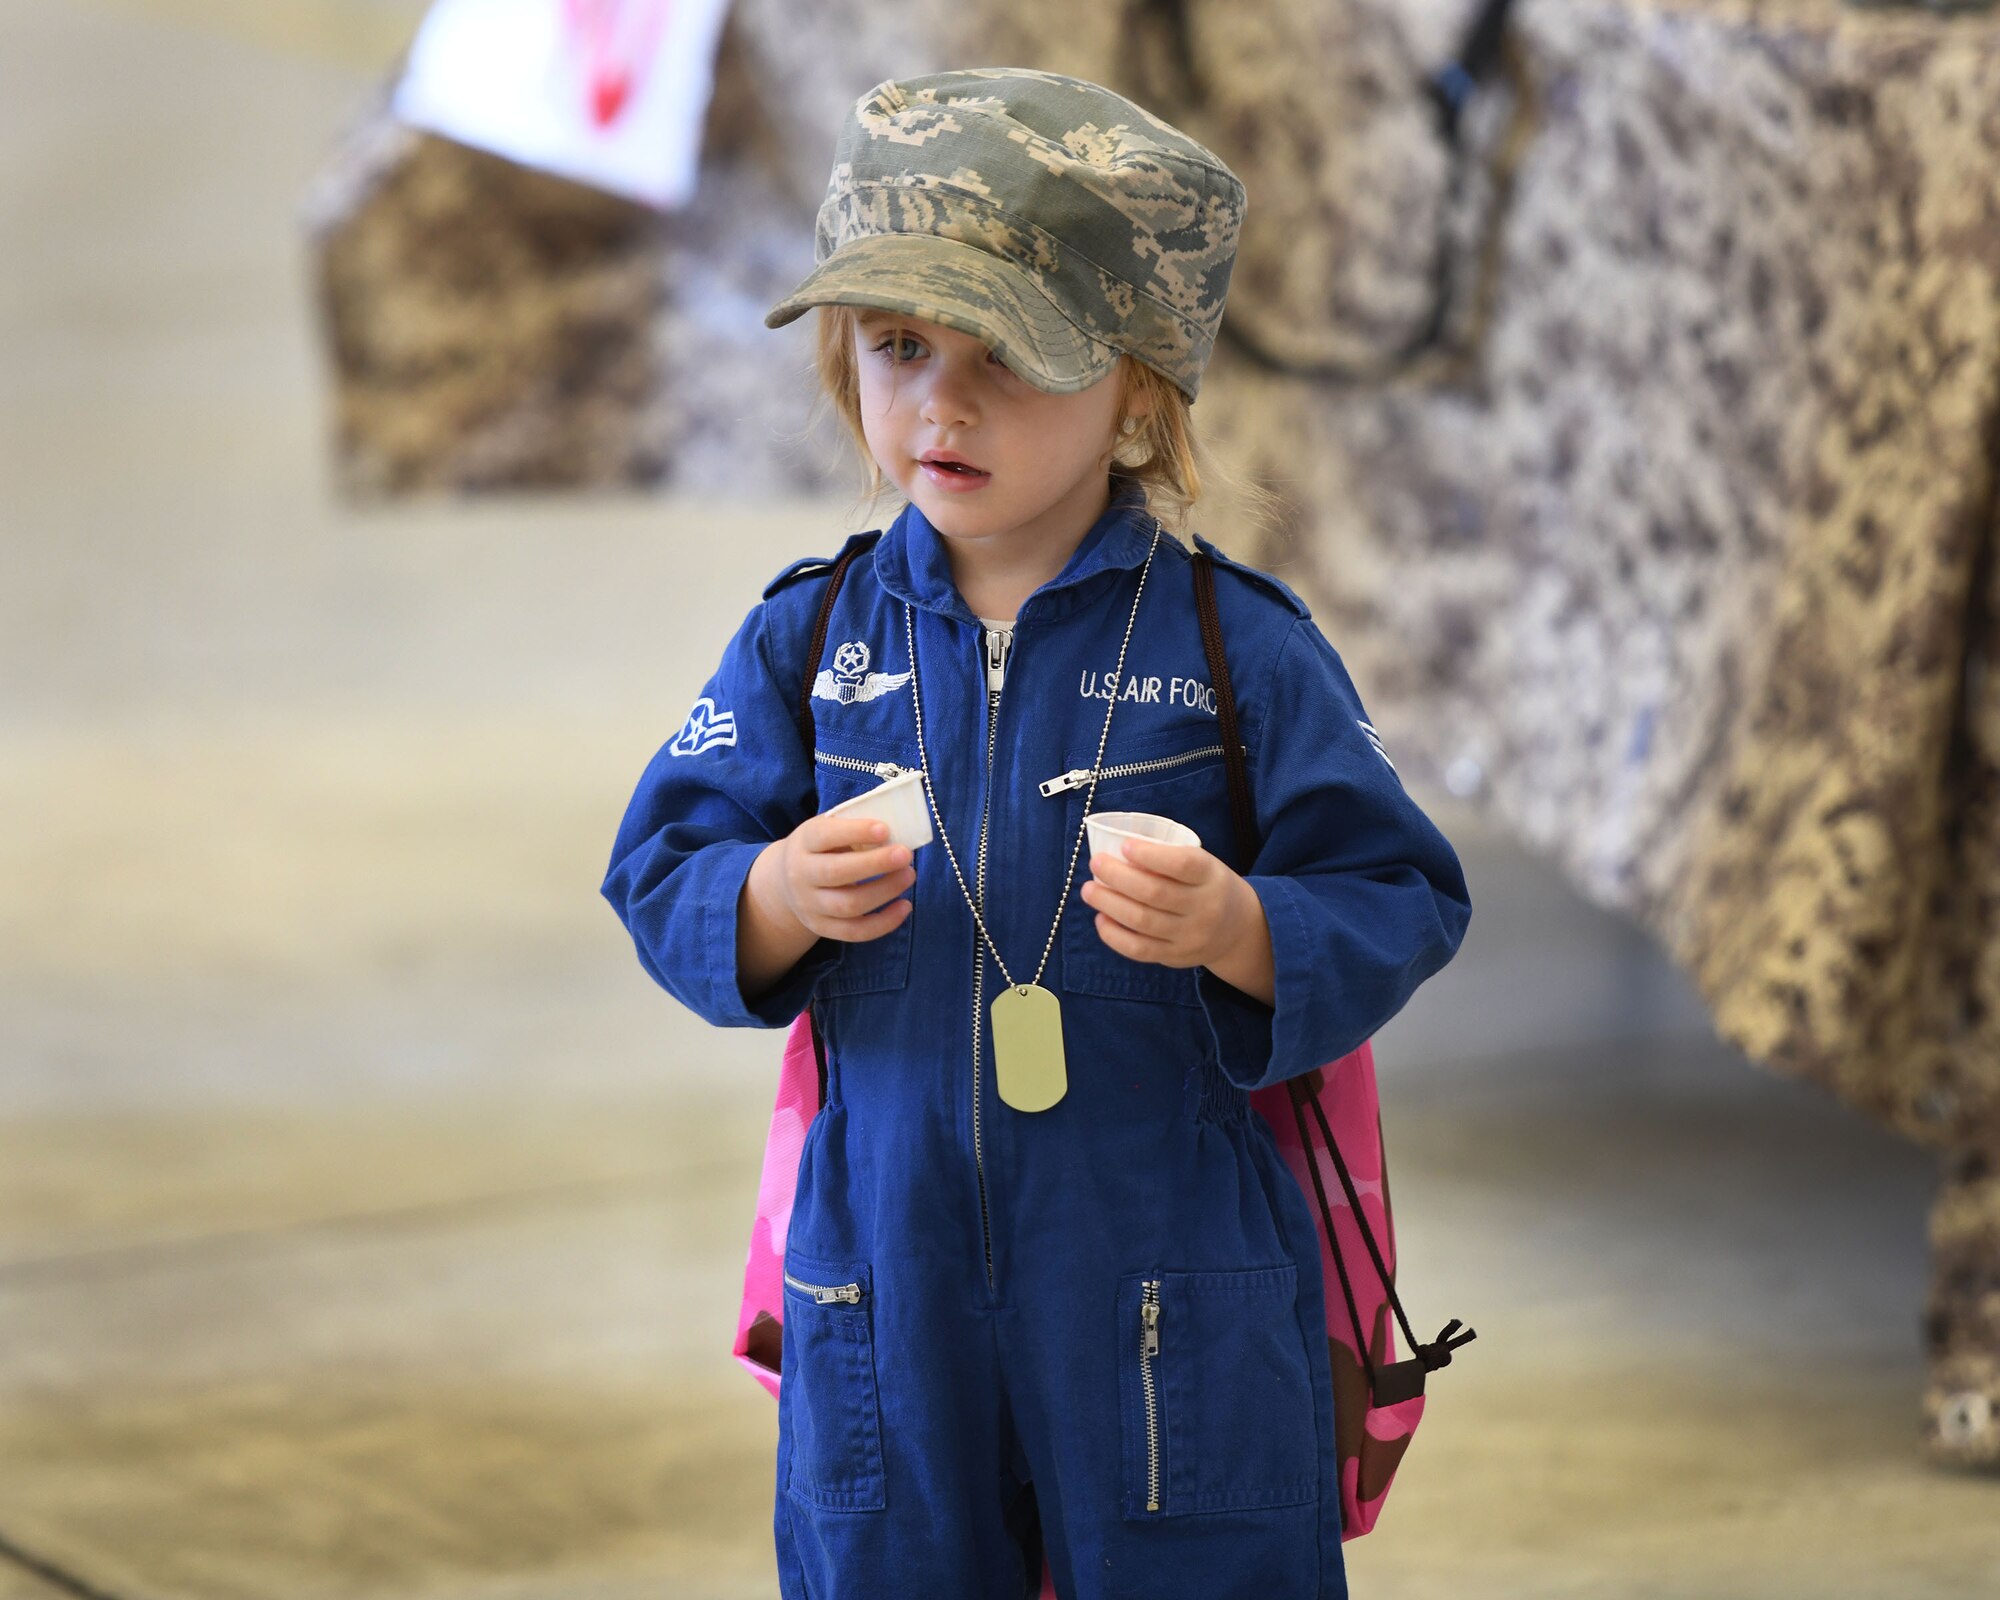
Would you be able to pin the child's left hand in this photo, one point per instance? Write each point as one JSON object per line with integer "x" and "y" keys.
{"x": 1174, "y": 904}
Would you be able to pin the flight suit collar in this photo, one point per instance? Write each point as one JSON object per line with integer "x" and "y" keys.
{"x": 911, "y": 563}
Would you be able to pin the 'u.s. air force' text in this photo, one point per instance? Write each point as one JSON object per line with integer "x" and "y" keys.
{"x": 1146, "y": 691}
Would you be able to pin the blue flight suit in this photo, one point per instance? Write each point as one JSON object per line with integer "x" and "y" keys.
{"x": 1103, "y": 1320}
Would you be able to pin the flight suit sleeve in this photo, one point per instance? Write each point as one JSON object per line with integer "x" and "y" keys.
{"x": 1365, "y": 898}
{"x": 735, "y": 777}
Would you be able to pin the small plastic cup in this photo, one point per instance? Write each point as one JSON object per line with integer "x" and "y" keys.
{"x": 900, "y": 803}
{"x": 1108, "y": 830}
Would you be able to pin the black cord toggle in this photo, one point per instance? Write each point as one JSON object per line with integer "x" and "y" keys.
{"x": 1438, "y": 1352}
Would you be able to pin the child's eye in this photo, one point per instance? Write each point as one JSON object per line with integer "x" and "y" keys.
{"x": 895, "y": 339}
{"x": 906, "y": 338}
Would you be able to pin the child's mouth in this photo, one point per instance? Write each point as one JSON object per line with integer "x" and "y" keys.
{"x": 953, "y": 475}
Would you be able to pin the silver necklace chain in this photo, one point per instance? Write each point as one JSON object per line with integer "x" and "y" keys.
{"x": 1117, "y": 677}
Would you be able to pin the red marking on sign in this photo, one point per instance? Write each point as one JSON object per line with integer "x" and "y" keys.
{"x": 617, "y": 42}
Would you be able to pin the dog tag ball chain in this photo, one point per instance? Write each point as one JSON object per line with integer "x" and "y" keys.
{"x": 1026, "y": 1019}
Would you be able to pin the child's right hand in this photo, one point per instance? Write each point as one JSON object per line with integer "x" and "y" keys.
{"x": 823, "y": 861}
{"x": 811, "y": 885}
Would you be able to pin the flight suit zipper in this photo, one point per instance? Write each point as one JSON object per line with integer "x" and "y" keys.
{"x": 826, "y": 1292}
{"x": 993, "y": 648}
{"x": 885, "y": 770}
{"x": 1077, "y": 777}
{"x": 1149, "y": 1347}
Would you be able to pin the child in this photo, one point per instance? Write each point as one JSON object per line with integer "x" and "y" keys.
{"x": 1063, "y": 1289}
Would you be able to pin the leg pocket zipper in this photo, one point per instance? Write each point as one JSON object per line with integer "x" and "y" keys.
{"x": 1149, "y": 1347}
{"x": 822, "y": 1292}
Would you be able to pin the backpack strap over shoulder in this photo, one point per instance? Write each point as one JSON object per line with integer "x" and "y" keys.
{"x": 1257, "y": 575}
{"x": 1225, "y": 702}
{"x": 857, "y": 545}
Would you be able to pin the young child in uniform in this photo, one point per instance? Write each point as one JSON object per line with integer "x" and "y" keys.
{"x": 1049, "y": 1286}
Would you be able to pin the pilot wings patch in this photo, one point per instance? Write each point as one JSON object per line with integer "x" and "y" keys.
{"x": 849, "y": 679}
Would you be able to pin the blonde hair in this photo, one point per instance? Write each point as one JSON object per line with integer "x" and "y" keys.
{"x": 1159, "y": 449}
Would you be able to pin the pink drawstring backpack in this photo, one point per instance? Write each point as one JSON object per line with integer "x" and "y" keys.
{"x": 1378, "y": 1399}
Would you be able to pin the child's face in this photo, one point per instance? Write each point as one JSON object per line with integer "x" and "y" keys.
{"x": 1046, "y": 457}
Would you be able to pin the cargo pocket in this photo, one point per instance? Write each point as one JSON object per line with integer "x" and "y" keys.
{"x": 1215, "y": 1397}
{"x": 828, "y": 1386}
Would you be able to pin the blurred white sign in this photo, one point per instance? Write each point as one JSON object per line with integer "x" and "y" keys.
{"x": 612, "y": 93}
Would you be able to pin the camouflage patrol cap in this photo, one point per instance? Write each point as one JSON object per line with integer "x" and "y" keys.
{"x": 1052, "y": 219}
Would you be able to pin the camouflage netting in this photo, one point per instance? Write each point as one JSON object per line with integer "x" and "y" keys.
{"x": 1674, "y": 554}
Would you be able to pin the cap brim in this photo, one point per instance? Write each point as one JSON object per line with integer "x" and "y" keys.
{"x": 963, "y": 287}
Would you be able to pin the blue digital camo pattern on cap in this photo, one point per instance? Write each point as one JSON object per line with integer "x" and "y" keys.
{"x": 1056, "y": 221}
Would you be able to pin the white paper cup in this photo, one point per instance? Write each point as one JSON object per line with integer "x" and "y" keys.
{"x": 1109, "y": 829}
{"x": 900, "y": 803}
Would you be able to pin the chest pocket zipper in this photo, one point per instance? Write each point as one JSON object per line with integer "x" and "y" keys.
{"x": 1079, "y": 777}
{"x": 885, "y": 770}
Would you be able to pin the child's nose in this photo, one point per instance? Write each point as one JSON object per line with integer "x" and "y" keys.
{"x": 949, "y": 397}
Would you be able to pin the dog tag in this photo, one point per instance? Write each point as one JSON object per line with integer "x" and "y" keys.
{"x": 1028, "y": 1047}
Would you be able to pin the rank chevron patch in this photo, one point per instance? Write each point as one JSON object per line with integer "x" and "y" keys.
{"x": 705, "y": 726}
{"x": 1375, "y": 739}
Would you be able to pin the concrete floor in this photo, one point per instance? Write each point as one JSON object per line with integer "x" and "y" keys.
{"x": 370, "y": 1224}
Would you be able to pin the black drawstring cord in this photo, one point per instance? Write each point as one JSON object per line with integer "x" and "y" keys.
{"x": 1433, "y": 1355}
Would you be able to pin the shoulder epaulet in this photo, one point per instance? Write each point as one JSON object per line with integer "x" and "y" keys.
{"x": 807, "y": 565}
{"x": 1258, "y": 575}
